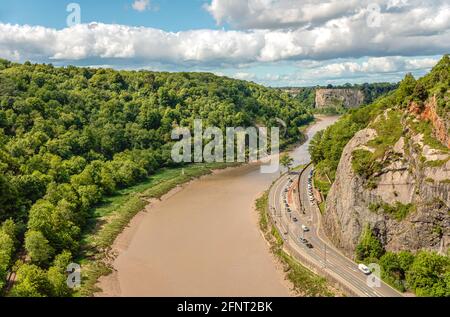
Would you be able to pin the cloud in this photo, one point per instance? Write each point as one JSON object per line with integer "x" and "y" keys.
{"x": 244, "y": 76}
{"x": 380, "y": 69}
{"x": 141, "y": 5}
{"x": 325, "y": 38}
{"x": 408, "y": 16}
{"x": 379, "y": 66}
{"x": 269, "y": 14}
{"x": 344, "y": 38}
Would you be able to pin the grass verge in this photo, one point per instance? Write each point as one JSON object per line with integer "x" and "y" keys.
{"x": 305, "y": 282}
{"x": 110, "y": 218}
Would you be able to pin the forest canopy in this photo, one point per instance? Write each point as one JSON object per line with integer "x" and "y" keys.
{"x": 69, "y": 136}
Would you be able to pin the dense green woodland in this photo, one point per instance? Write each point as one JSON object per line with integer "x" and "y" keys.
{"x": 70, "y": 136}
{"x": 427, "y": 274}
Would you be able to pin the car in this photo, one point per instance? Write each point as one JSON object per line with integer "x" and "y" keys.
{"x": 288, "y": 209}
{"x": 286, "y": 205}
{"x": 363, "y": 268}
{"x": 305, "y": 228}
{"x": 306, "y": 243}
{"x": 294, "y": 219}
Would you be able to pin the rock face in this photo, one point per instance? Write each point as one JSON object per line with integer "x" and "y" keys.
{"x": 412, "y": 173}
{"x": 348, "y": 98}
{"x": 441, "y": 126}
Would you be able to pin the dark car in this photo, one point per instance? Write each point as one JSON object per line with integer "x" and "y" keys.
{"x": 294, "y": 219}
{"x": 306, "y": 243}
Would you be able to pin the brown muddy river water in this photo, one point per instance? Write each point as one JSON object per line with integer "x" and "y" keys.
{"x": 202, "y": 240}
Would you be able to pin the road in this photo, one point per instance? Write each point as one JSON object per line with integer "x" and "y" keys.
{"x": 323, "y": 254}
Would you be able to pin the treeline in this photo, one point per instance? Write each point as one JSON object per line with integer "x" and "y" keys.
{"x": 69, "y": 136}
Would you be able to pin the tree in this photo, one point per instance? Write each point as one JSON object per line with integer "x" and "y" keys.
{"x": 10, "y": 228}
{"x": 286, "y": 161}
{"x": 428, "y": 274}
{"x": 369, "y": 247}
{"x": 38, "y": 247}
{"x": 6, "y": 253}
{"x": 57, "y": 276}
{"x": 391, "y": 270}
{"x": 31, "y": 282}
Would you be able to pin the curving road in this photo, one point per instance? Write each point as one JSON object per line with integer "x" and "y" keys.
{"x": 323, "y": 254}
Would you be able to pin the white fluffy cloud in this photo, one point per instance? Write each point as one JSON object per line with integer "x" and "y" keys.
{"x": 332, "y": 37}
{"x": 343, "y": 38}
{"x": 377, "y": 69}
{"x": 398, "y": 16}
{"x": 267, "y": 14}
{"x": 377, "y": 65}
{"x": 141, "y": 5}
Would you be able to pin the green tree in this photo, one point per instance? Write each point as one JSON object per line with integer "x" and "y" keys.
{"x": 369, "y": 247}
{"x": 286, "y": 161}
{"x": 6, "y": 253}
{"x": 38, "y": 247}
{"x": 391, "y": 270}
{"x": 428, "y": 274}
{"x": 31, "y": 282}
{"x": 57, "y": 276}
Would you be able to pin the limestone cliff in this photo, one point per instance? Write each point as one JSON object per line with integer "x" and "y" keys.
{"x": 347, "y": 98}
{"x": 412, "y": 175}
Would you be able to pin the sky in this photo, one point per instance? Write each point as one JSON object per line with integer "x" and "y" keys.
{"x": 271, "y": 42}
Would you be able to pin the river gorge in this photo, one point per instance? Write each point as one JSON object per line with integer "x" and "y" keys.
{"x": 203, "y": 239}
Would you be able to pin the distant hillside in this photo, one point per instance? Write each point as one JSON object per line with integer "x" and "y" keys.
{"x": 338, "y": 98}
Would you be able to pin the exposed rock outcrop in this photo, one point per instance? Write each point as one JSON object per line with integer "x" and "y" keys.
{"x": 348, "y": 98}
{"x": 412, "y": 173}
{"x": 428, "y": 111}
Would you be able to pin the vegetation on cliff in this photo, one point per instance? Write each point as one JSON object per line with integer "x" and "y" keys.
{"x": 327, "y": 146}
{"x": 404, "y": 145}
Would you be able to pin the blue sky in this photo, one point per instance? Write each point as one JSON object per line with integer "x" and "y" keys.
{"x": 272, "y": 42}
{"x": 168, "y": 15}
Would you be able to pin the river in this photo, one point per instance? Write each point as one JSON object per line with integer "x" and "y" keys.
{"x": 203, "y": 240}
